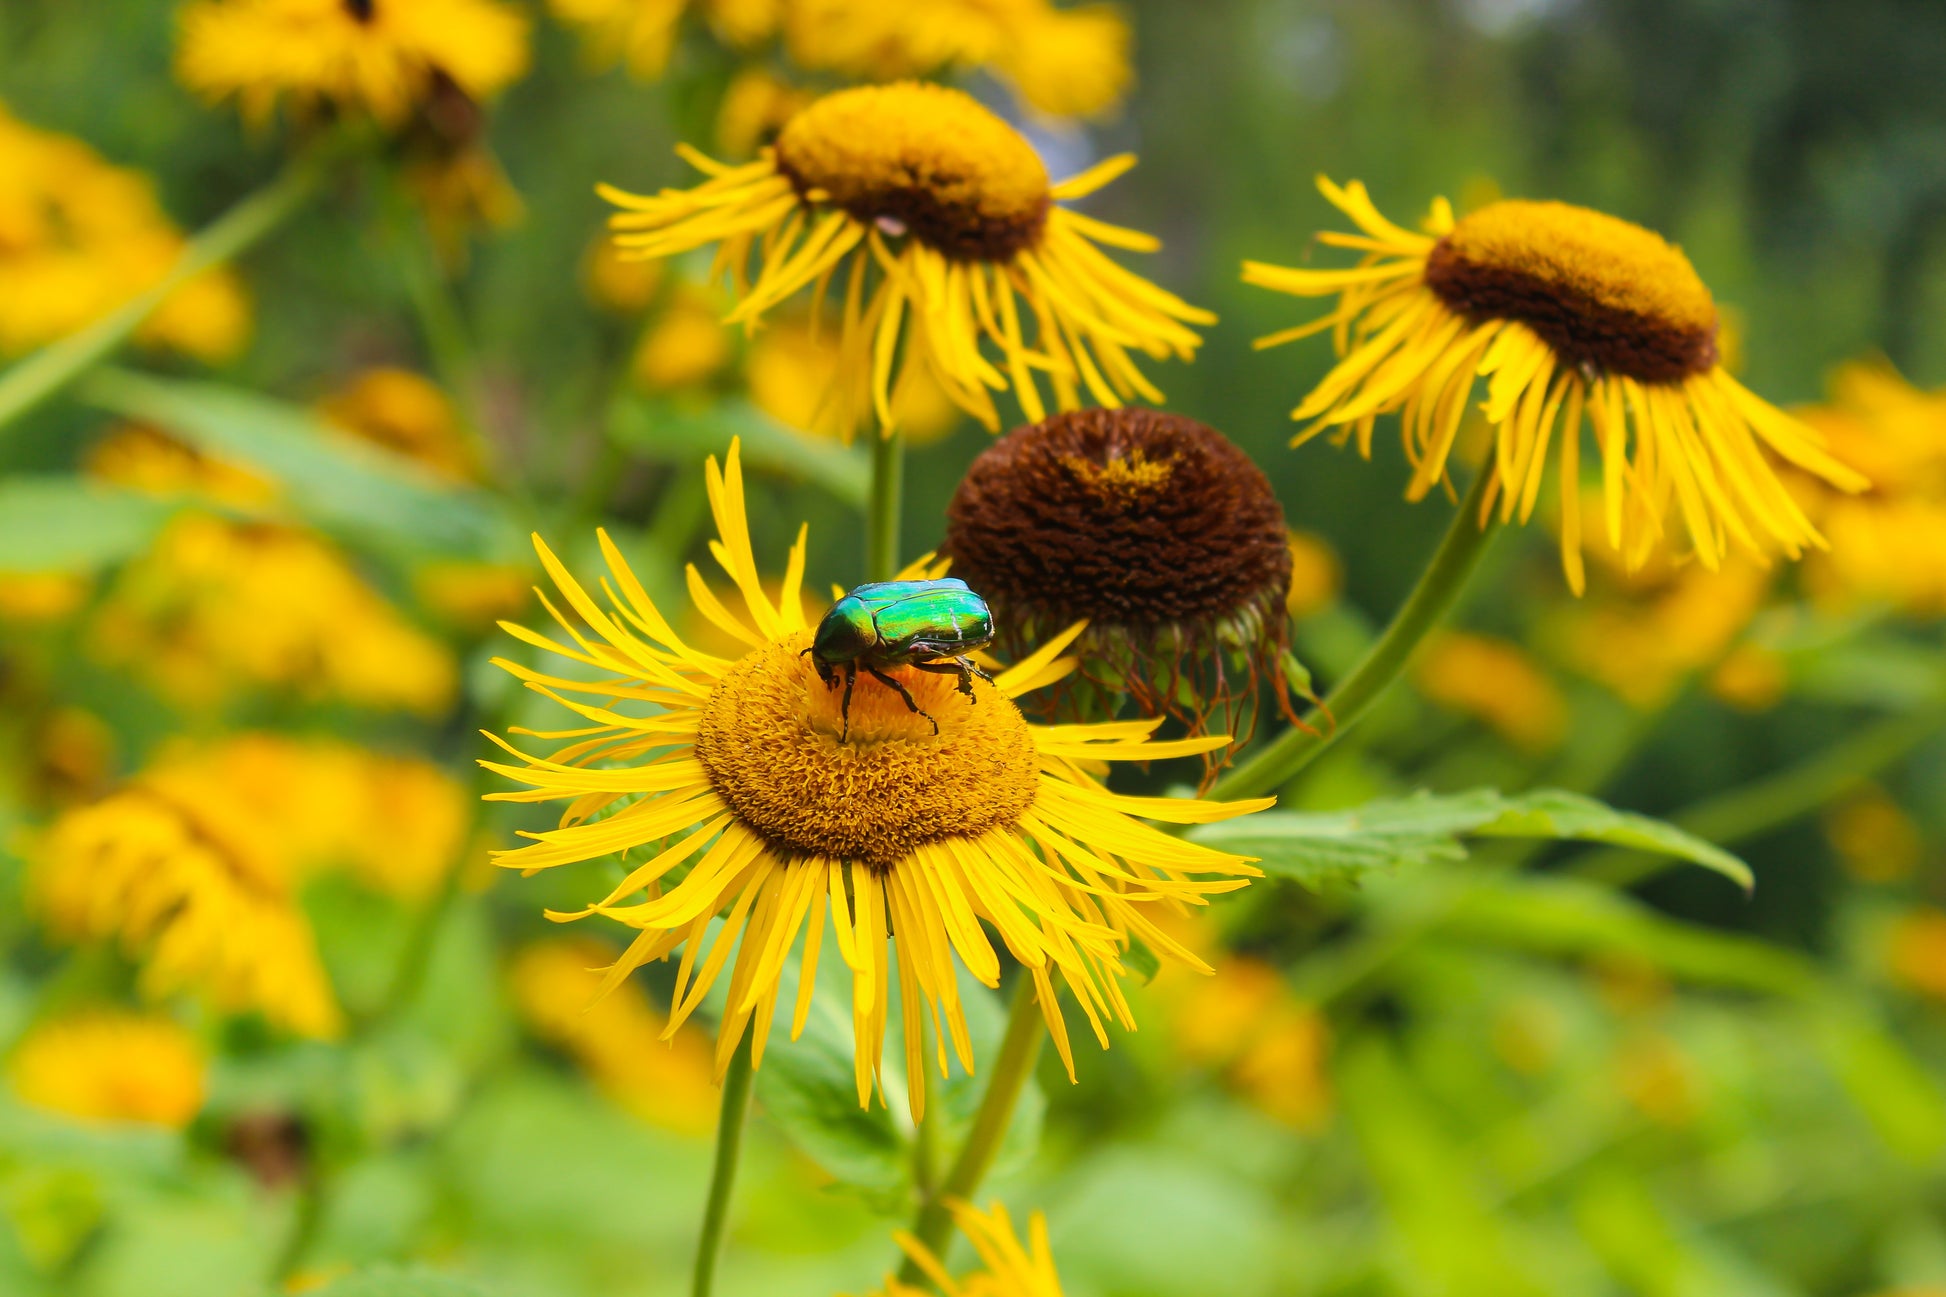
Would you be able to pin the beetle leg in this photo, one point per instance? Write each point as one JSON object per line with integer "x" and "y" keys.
{"x": 890, "y": 683}
{"x": 959, "y": 667}
{"x": 844, "y": 708}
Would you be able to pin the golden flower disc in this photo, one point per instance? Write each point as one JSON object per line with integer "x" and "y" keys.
{"x": 920, "y": 159}
{"x": 1598, "y": 289}
{"x": 768, "y": 738}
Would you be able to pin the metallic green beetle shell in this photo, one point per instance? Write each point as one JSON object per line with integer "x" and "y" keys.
{"x": 888, "y": 622}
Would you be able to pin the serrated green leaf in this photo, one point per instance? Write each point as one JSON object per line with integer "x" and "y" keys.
{"x": 362, "y": 492}
{"x": 393, "y": 1281}
{"x": 1320, "y": 848}
{"x": 66, "y": 524}
{"x": 679, "y": 433}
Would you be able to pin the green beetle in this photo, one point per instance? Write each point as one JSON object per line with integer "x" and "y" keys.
{"x": 928, "y": 625}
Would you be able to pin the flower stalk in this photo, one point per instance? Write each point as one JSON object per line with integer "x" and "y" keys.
{"x": 1466, "y": 540}
{"x": 723, "y": 1173}
{"x": 45, "y": 373}
{"x": 883, "y": 507}
{"x": 1020, "y": 1049}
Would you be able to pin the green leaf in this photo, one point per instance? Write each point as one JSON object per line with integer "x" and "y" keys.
{"x": 65, "y": 524}
{"x": 683, "y": 433}
{"x": 360, "y": 491}
{"x": 1320, "y": 848}
{"x": 392, "y": 1281}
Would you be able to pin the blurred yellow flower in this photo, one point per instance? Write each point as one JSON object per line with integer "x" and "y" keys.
{"x": 1497, "y": 683}
{"x": 1006, "y": 1269}
{"x": 1876, "y": 841}
{"x": 36, "y": 598}
{"x": 217, "y": 607}
{"x": 79, "y": 237}
{"x": 1916, "y": 951}
{"x": 790, "y": 371}
{"x": 1316, "y": 575}
{"x": 195, "y": 864}
{"x": 618, "y": 282}
{"x": 110, "y": 1066}
{"x": 145, "y": 459}
{"x": 755, "y": 107}
{"x": 381, "y": 58}
{"x": 1659, "y": 1079}
{"x": 1064, "y": 62}
{"x": 74, "y": 755}
{"x": 685, "y": 344}
{"x": 1565, "y": 312}
{"x": 405, "y": 413}
{"x": 1643, "y": 646}
{"x": 621, "y": 1040}
{"x": 640, "y": 34}
{"x": 1888, "y": 544}
{"x": 1751, "y": 678}
{"x": 473, "y": 596}
{"x": 918, "y": 816}
{"x": 948, "y": 211}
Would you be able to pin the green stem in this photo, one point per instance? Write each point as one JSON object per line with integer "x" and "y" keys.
{"x": 1019, "y": 1051}
{"x": 1774, "y": 801}
{"x": 1439, "y": 585}
{"x": 882, "y": 507}
{"x": 308, "y": 1214}
{"x": 54, "y": 366}
{"x": 729, "y": 1145}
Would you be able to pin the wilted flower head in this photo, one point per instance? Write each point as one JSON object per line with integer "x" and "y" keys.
{"x": 1063, "y": 62}
{"x": 1155, "y": 529}
{"x": 1566, "y": 313}
{"x": 933, "y": 225}
{"x": 745, "y": 789}
{"x": 79, "y": 237}
{"x": 377, "y": 58}
{"x": 111, "y": 1066}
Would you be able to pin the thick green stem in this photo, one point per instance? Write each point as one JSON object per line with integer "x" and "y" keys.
{"x": 882, "y": 507}
{"x": 1019, "y": 1051}
{"x": 1439, "y": 585}
{"x": 1774, "y": 801}
{"x": 729, "y": 1145}
{"x": 307, "y": 1215}
{"x": 54, "y": 366}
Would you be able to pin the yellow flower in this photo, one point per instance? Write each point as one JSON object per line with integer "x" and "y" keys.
{"x": 382, "y": 58}
{"x": 473, "y": 596}
{"x": 685, "y": 345}
{"x": 406, "y": 413}
{"x": 618, "y": 1039}
{"x": 1006, "y": 1268}
{"x": 195, "y": 881}
{"x": 1565, "y": 312}
{"x": 789, "y": 803}
{"x": 216, "y": 607}
{"x": 1071, "y": 62}
{"x": 1644, "y": 646}
{"x": 1888, "y": 544}
{"x": 79, "y": 237}
{"x": 35, "y": 598}
{"x": 148, "y": 460}
{"x": 1875, "y": 839}
{"x": 1916, "y": 951}
{"x": 755, "y": 107}
{"x": 1316, "y": 575}
{"x": 1750, "y": 678}
{"x": 946, "y": 212}
{"x": 640, "y": 34}
{"x": 1497, "y": 683}
{"x": 110, "y": 1065}
{"x": 195, "y": 864}
{"x": 789, "y": 369}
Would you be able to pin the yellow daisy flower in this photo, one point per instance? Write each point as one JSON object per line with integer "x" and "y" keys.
{"x": 1566, "y": 313}
{"x": 1071, "y": 62}
{"x": 1497, "y": 683}
{"x": 111, "y": 1066}
{"x": 403, "y": 412}
{"x": 382, "y": 58}
{"x": 946, "y": 212}
{"x": 760, "y": 812}
{"x": 641, "y": 34}
{"x": 1007, "y": 1269}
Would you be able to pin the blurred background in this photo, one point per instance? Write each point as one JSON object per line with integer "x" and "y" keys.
{"x": 1552, "y": 1072}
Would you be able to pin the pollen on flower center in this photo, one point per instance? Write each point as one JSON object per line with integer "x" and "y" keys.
{"x": 1123, "y": 482}
{"x": 768, "y": 738}
{"x": 924, "y": 160}
{"x": 1599, "y": 290}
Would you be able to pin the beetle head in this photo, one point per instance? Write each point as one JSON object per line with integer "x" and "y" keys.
{"x": 845, "y": 634}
